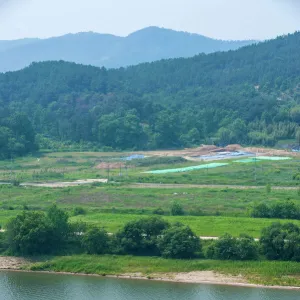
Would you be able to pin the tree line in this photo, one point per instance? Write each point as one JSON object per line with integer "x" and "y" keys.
{"x": 248, "y": 96}
{"x": 38, "y": 233}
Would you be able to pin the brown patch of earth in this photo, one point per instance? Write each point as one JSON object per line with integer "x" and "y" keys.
{"x": 12, "y": 263}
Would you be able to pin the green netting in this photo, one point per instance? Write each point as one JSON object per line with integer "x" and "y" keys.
{"x": 187, "y": 169}
{"x": 272, "y": 158}
{"x": 247, "y": 160}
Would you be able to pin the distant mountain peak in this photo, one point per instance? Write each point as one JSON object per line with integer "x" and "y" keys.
{"x": 106, "y": 50}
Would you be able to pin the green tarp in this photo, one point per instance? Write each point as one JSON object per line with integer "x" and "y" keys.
{"x": 247, "y": 160}
{"x": 260, "y": 158}
{"x": 187, "y": 169}
{"x": 273, "y": 157}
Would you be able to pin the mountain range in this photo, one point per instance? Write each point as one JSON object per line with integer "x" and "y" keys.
{"x": 248, "y": 96}
{"x": 105, "y": 50}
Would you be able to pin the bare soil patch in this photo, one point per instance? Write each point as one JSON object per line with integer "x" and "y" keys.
{"x": 12, "y": 263}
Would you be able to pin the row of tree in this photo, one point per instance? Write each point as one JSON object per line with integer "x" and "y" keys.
{"x": 277, "y": 210}
{"x": 36, "y": 233}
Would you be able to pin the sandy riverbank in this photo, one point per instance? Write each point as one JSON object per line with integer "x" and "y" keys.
{"x": 200, "y": 277}
{"x": 12, "y": 263}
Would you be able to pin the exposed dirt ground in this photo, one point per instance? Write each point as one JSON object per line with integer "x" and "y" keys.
{"x": 12, "y": 263}
{"x": 211, "y": 150}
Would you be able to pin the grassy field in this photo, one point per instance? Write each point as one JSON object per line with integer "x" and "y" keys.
{"x": 75, "y": 165}
{"x": 209, "y": 211}
{"x": 202, "y": 226}
{"x": 123, "y": 199}
{"x": 259, "y": 272}
{"x": 215, "y": 210}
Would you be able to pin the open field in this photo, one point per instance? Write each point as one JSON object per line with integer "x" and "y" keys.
{"x": 76, "y": 166}
{"x": 215, "y": 202}
{"x": 143, "y": 200}
{"x": 202, "y": 226}
{"x": 210, "y": 211}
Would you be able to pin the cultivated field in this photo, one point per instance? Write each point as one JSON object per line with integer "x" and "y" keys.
{"x": 214, "y": 201}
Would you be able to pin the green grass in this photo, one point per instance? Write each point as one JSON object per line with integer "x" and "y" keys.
{"x": 122, "y": 199}
{"x": 260, "y": 272}
{"x": 80, "y": 165}
{"x": 202, "y": 226}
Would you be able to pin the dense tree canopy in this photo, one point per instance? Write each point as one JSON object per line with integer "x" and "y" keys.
{"x": 251, "y": 96}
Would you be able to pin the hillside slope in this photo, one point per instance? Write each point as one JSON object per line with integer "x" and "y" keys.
{"x": 110, "y": 51}
{"x": 248, "y": 96}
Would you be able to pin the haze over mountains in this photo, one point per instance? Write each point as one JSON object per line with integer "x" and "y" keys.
{"x": 146, "y": 45}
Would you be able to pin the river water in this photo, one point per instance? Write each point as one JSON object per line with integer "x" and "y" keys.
{"x": 35, "y": 286}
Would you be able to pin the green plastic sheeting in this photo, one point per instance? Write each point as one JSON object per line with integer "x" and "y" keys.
{"x": 187, "y": 169}
{"x": 247, "y": 160}
{"x": 272, "y": 158}
{"x": 260, "y": 158}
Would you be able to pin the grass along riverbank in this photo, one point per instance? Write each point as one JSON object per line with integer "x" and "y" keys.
{"x": 270, "y": 273}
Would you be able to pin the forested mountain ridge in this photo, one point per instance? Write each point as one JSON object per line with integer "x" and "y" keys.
{"x": 105, "y": 50}
{"x": 248, "y": 96}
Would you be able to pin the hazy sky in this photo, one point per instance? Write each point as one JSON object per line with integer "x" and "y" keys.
{"x": 224, "y": 19}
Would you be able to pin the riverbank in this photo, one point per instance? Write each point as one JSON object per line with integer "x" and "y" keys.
{"x": 249, "y": 273}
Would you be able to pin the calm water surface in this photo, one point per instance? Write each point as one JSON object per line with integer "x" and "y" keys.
{"x": 34, "y": 286}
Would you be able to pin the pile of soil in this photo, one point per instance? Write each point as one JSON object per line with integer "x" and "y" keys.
{"x": 233, "y": 147}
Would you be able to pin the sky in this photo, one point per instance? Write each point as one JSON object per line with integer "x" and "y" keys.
{"x": 222, "y": 19}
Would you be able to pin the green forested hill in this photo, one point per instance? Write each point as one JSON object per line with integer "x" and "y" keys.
{"x": 248, "y": 96}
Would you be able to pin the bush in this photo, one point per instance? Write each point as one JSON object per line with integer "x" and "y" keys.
{"x": 140, "y": 237}
{"x": 32, "y": 233}
{"x": 95, "y": 241}
{"x": 29, "y": 234}
{"x": 230, "y": 248}
{"x": 279, "y": 210}
{"x": 177, "y": 209}
{"x": 158, "y": 211}
{"x": 281, "y": 242}
{"x": 79, "y": 211}
{"x": 178, "y": 241}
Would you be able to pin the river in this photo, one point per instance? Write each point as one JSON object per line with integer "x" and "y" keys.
{"x": 36, "y": 286}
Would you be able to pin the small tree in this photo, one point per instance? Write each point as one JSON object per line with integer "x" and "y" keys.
{"x": 178, "y": 241}
{"x": 95, "y": 241}
{"x": 29, "y": 233}
{"x": 177, "y": 209}
{"x": 268, "y": 188}
{"x": 281, "y": 241}
{"x": 247, "y": 248}
{"x": 58, "y": 222}
{"x": 140, "y": 237}
{"x": 228, "y": 247}
{"x": 223, "y": 248}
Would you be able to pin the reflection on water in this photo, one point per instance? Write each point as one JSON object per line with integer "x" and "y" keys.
{"x": 34, "y": 286}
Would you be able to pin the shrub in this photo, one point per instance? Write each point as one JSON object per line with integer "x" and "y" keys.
{"x": 158, "y": 211}
{"x": 33, "y": 233}
{"x": 177, "y": 209}
{"x": 230, "y": 248}
{"x": 29, "y": 233}
{"x": 178, "y": 241}
{"x": 281, "y": 242}
{"x": 95, "y": 241}
{"x": 279, "y": 210}
{"x": 79, "y": 211}
{"x": 140, "y": 237}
